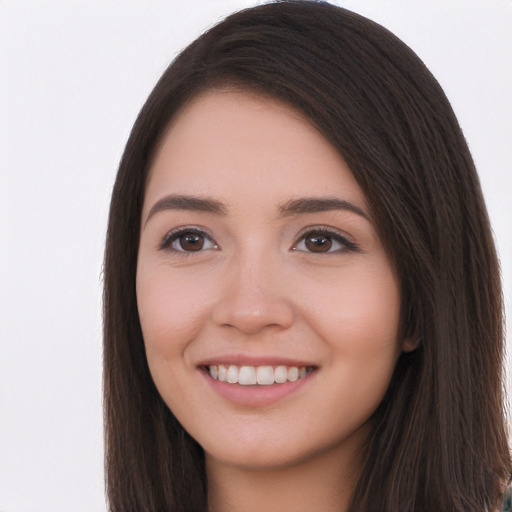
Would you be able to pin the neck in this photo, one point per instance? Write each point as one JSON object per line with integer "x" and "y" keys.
{"x": 324, "y": 483}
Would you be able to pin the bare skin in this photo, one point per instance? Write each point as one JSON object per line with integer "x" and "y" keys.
{"x": 257, "y": 251}
{"x": 324, "y": 483}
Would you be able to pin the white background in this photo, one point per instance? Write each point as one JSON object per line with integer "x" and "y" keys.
{"x": 73, "y": 76}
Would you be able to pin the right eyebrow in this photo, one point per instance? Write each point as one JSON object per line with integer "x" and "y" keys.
{"x": 184, "y": 202}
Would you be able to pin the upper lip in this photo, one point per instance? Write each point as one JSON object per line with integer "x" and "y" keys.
{"x": 254, "y": 360}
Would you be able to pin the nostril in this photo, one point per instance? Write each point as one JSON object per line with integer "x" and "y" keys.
{"x": 252, "y": 318}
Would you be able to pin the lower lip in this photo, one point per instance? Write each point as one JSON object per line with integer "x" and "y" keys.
{"x": 255, "y": 396}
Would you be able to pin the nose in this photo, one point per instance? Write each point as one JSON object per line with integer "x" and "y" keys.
{"x": 254, "y": 296}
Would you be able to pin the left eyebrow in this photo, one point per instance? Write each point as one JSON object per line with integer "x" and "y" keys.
{"x": 319, "y": 204}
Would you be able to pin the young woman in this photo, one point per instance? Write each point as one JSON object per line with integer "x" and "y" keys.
{"x": 302, "y": 296}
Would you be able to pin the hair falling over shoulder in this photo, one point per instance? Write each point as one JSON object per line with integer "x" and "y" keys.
{"x": 439, "y": 441}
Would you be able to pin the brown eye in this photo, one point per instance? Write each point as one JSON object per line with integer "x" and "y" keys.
{"x": 317, "y": 242}
{"x": 188, "y": 240}
{"x": 191, "y": 242}
{"x": 324, "y": 241}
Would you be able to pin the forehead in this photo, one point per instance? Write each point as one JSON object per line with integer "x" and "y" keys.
{"x": 240, "y": 145}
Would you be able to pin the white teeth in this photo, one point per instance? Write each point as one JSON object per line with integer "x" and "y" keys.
{"x": 261, "y": 375}
{"x": 222, "y": 374}
{"x": 247, "y": 376}
{"x": 265, "y": 375}
{"x": 293, "y": 373}
{"x": 281, "y": 374}
{"x": 233, "y": 374}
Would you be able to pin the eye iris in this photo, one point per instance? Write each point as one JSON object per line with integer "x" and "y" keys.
{"x": 318, "y": 243}
{"x": 191, "y": 242}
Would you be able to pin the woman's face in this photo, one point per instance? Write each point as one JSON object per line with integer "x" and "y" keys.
{"x": 258, "y": 263}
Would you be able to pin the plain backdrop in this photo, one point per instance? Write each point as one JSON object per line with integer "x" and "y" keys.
{"x": 73, "y": 76}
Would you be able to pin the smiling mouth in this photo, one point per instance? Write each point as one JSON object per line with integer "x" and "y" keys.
{"x": 257, "y": 375}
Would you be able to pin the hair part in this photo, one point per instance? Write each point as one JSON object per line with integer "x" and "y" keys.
{"x": 439, "y": 439}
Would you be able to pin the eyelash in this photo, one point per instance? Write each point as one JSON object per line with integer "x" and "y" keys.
{"x": 347, "y": 245}
{"x": 174, "y": 236}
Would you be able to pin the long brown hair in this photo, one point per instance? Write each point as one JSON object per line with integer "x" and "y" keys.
{"x": 439, "y": 442}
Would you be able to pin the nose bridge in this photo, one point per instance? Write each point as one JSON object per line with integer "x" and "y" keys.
{"x": 254, "y": 293}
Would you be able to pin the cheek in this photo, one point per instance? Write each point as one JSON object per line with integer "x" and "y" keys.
{"x": 359, "y": 312}
{"x": 360, "y": 321}
{"x": 171, "y": 311}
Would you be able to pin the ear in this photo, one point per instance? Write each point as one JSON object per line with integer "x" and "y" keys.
{"x": 410, "y": 344}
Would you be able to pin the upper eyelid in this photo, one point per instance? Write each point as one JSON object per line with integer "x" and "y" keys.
{"x": 175, "y": 232}
{"x": 325, "y": 229}
{"x": 341, "y": 236}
